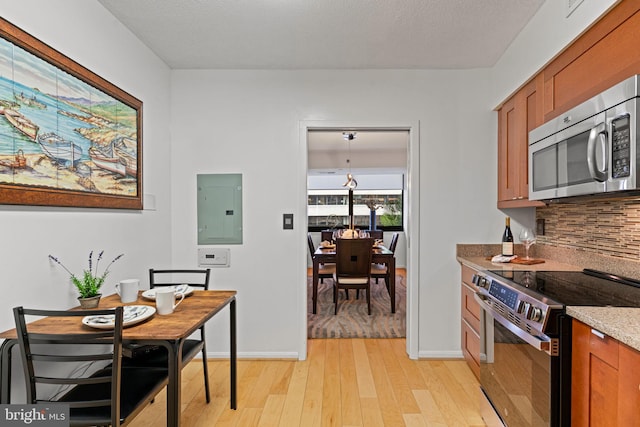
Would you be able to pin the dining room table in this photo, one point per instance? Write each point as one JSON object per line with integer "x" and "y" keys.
{"x": 380, "y": 255}
{"x": 169, "y": 331}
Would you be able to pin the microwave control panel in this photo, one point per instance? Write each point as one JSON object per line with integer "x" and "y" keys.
{"x": 621, "y": 146}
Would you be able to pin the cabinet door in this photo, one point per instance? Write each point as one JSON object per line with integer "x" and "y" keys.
{"x": 508, "y": 121}
{"x": 628, "y": 386}
{"x": 516, "y": 117}
{"x": 594, "y": 382}
{"x": 470, "y": 322}
{"x": 605, "y": 55}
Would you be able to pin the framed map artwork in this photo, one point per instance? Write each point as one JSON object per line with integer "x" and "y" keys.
{"x": 67, "y": 136}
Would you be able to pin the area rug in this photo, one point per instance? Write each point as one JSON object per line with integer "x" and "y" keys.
{"x": 352, "y": 320}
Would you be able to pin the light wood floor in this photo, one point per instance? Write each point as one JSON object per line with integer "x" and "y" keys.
{"x": 343, "y": 382}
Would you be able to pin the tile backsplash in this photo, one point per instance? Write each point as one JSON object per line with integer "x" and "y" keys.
{"x": 610, "y": 227}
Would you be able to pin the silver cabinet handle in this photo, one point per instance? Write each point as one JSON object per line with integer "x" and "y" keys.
{"x": 598, "y": 333}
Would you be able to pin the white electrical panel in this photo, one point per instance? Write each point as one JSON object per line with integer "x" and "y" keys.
{"x": 213, "y": 257}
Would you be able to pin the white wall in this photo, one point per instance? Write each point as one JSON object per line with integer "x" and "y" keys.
{"x": 248, "y": 121}
{"x": 85, "y": 32}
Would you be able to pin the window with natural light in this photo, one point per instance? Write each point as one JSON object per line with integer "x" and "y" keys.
{"x": 377, "y": 198}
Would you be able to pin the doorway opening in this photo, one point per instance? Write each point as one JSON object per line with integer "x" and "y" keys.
{"x": 378, "y": 158}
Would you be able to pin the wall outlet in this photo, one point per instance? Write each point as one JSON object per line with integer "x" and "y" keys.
{"x": 540, "y": 227}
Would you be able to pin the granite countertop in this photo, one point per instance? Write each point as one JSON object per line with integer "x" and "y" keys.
{"x": 621, "y": 323}
{"x": 482, "y": 263}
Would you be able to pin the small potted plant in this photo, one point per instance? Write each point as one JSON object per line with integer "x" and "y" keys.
{"x": 88, "y": 285}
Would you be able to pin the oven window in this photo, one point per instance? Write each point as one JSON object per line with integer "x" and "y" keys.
{"x": 516, "y": 378}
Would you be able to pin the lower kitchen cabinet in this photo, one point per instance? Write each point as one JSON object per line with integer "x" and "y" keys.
{"x": 470, "y": 322}
{"x": 605, "y": 385}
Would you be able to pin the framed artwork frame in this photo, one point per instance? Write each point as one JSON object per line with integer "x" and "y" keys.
{"x": 68, "y": 137}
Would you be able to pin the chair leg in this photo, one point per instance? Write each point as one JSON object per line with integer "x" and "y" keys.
{"x": 206, "y": 372}
{"x": 369, "y": 300}
{"x": 335, "y": 299}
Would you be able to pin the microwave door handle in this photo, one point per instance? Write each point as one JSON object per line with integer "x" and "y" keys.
{"x": 597, "y": 134}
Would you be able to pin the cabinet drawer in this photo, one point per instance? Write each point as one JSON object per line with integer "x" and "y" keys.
{"x": 470, "y": 308}
{"x": 471, "y": 348}
{"x": 604, "y": 347}
{"x": 467, "y": 274}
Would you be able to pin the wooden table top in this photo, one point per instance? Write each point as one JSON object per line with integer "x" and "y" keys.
{"x": 377, "y": 250}
{"x": 192, "y": 313}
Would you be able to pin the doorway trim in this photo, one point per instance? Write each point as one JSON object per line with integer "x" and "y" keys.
{"x": 412, "y": 223}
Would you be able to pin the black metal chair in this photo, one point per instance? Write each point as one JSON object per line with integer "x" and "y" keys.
{"x": 99, "y": 390}
{"x": 154, "y": 356}
{"x": 353, "y": 268}
{"x": 381, "y": 271}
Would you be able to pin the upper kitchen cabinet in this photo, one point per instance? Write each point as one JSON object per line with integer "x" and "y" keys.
{"x": 516, "y": 117}
{"x": 604, "y": 55}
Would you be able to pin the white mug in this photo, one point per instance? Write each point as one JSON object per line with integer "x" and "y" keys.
{"x": 128, "y": 290}
{"x": 166, "y": 299}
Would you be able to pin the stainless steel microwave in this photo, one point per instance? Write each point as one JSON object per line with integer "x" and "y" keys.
{"x": 592, "y": 149}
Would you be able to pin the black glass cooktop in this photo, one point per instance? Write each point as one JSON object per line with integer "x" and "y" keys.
{"x": 578, "y": 287}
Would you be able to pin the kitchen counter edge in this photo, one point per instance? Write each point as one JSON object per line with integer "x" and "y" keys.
{"x": 621, "y": 323}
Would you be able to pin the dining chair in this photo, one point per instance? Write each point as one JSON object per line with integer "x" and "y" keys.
{"x": 376, "y": 234}
{"x": 353, "y": 268}
{"x": 325, "y": 270}
{"x": 381, "y": 271}
{"x": 153, "y": 356}
{"x": 83, "y": 370}
{"x": 326, "y": 235}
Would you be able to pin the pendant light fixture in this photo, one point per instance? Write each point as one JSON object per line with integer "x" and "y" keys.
{"x": 351, "y": 183}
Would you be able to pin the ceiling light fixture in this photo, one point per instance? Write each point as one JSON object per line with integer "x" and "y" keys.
{"x": 351, "y": 183}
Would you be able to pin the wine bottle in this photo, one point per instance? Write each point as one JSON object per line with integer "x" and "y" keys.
{"x": 507, "y": 238}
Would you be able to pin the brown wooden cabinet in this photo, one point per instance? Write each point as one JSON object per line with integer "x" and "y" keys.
{"x": 602, "y": 56}
{"x": 605, "y": 385}
{"x": 516, "y": 117}
{"x": 470, "y": 324}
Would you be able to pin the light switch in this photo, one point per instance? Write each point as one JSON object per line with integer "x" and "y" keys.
{"x": 213, "y": 257}
{"x": 287, "y": 221}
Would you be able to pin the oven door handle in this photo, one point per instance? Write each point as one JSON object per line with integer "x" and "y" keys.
{"x": 548, "y": 345}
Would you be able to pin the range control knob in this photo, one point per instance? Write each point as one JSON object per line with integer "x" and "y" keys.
{"x": 535, "y": 314}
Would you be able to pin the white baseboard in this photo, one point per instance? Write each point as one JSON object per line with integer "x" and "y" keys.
{"x": 254, "y": 355}
{"x": 440, "y": 354}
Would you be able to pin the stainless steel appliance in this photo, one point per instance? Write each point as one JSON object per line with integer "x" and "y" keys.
{"x": 591, "y": 149}
{"x": 525, "y": 371}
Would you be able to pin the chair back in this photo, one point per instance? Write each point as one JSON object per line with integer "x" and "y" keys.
{"x": 194, "y": 278}
{"x": 312, "y": 247}
{"x": 376, "y": 234}
{"x": 394, "y": 242}
{"x": 91, "y": 395}
{"x": 353, "y": 258}
{"x": 326, "y": 235}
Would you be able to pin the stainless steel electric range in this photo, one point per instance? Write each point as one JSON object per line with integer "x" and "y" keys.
{"x": 525, "y": 369}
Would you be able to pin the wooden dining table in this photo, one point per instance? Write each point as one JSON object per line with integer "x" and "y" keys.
{"x": 169, "y": 331}
{"x": 380, "y": 255}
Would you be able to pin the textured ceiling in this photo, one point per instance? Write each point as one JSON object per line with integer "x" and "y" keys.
{"x": 325, "y": 34}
